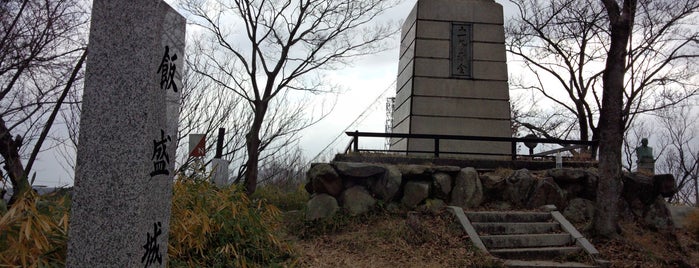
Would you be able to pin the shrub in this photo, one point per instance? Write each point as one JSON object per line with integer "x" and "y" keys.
{"x": 212, "y": 227}
{"x": 34, "y": 231}
{"x": 284, "y": 200}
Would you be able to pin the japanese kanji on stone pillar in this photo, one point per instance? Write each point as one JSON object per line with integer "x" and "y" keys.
{"x": 128, "y": 134}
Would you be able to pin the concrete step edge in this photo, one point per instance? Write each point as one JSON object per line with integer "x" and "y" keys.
{"x": 496, "y": 228}
{"x": 513, "y": 216}
{"x": 546, "y": 264}
{"x": 542, "y": 253}
{"x": 526, "y": 240}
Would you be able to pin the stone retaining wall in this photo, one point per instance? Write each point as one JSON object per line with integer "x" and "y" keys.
{"x": 359, "y": 187}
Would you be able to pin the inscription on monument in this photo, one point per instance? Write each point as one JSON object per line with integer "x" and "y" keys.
{"x": 160, "y": 157}
{"x": 461, "y": 50}
{"x": 167, "y": 70}
{"x": 152, "y": 249}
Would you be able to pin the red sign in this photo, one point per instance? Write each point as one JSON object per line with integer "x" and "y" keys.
{"x": 197, "y": 145}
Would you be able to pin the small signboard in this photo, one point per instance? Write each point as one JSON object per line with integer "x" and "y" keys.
{"x": 197, "y": 145}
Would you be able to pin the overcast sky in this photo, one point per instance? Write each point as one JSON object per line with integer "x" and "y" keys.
{"x": 367, "y": 83}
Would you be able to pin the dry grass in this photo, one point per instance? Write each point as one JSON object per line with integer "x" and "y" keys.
{"x": 639, "y": 247}
{"x": 418, "y": 240}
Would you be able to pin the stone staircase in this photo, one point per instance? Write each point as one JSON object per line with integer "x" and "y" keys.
{"x": 529, "y": 239}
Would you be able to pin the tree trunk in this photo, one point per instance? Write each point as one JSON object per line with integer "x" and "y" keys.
{"x": 611, "y": 125}
{"x": 252, "y": 143}
{"x": 9, "y": 150}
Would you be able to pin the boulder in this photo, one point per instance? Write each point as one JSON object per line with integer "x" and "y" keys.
{"x": 357, "y": 200}
{"x": 492, "y": 181}
{"x": 388, "y": 185}
{"x": 573, "y": 181}
{"x": 518, "y": 187}
{"x": 493, "y": 186}
{"x": 441, "y": 185}
{"x": 573, "y": 189}
{"x": 414, "y": 193}
{"x": 321, "y": 206}
{"x": 579, "y": 210}
{"x": 567, "y": 175}
{"x": 665, "y": 184}
{"x": 590, "y": 189}
{"x": 658, "y": 216}
{"x": 546, "y": 192}
{"x": 358, "y": 170}
{"x": 416, "y": 172}
{"x": 638, "y": 186}
{"x": 324, "y": 180}
{"x": 447, "y": 169}
{"x": 468, "y": 190}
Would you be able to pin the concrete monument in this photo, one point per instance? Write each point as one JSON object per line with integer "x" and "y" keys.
{"x": 452, "y": 76}
{"x": 128, "y": 134}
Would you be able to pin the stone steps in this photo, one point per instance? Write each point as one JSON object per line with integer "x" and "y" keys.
{"x": 514, "y": 216}
{"x": 545, "y": 264}
{"x": 495, "y": 228}
{"x": 545, "y": 253}
{"x": 528, "y": 239}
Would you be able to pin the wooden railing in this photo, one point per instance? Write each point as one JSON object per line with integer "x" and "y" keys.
{"x": 353, "y": 146}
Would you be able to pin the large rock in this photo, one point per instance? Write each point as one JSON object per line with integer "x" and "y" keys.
{"x": 665, "y": 184}
{"x": 567, "y": 175}
{"x": 324, "y": 180}
{"x": 416, "y": 172}
{"x": 321, "y": 206}
{"x": 638, "y": 186}
{"x": 518, "y": 187}
{"x": 579, "y": 210}
{"x": 357, "y": 200}
{"x": 492, "y": 181}
{"x": 441, "y": 183}
{"x": 493, "y": 186}
{"x": 591, "y": 181}
{"x": 657, "y": 215}
{"x": 358, "y": 170}
{"x": 468, "y": 190}
{"x": 388, "y": 185}
{"x": 546, "y": 192}
{"x": 447, "y": 169}
{"x": 414, "y": 193}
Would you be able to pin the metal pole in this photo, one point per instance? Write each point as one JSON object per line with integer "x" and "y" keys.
{"x": 356, "y": 141}
{"x": 436, "y": 148}
{"x": 219, "y": 143}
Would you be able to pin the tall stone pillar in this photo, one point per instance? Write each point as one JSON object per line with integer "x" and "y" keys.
{"x": 452, "y": 77}
{"x": 128, "y": 134}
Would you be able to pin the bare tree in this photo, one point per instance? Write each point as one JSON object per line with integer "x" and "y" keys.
{"x": 611, "y": 122}
{"x": 681, "y": 158}
{"x": 42, "y": 50}
{"x": 284, "y": 43}
{"x": 564, "y": 45}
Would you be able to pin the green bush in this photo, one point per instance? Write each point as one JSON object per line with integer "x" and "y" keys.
{"x": 212, "y": 227}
